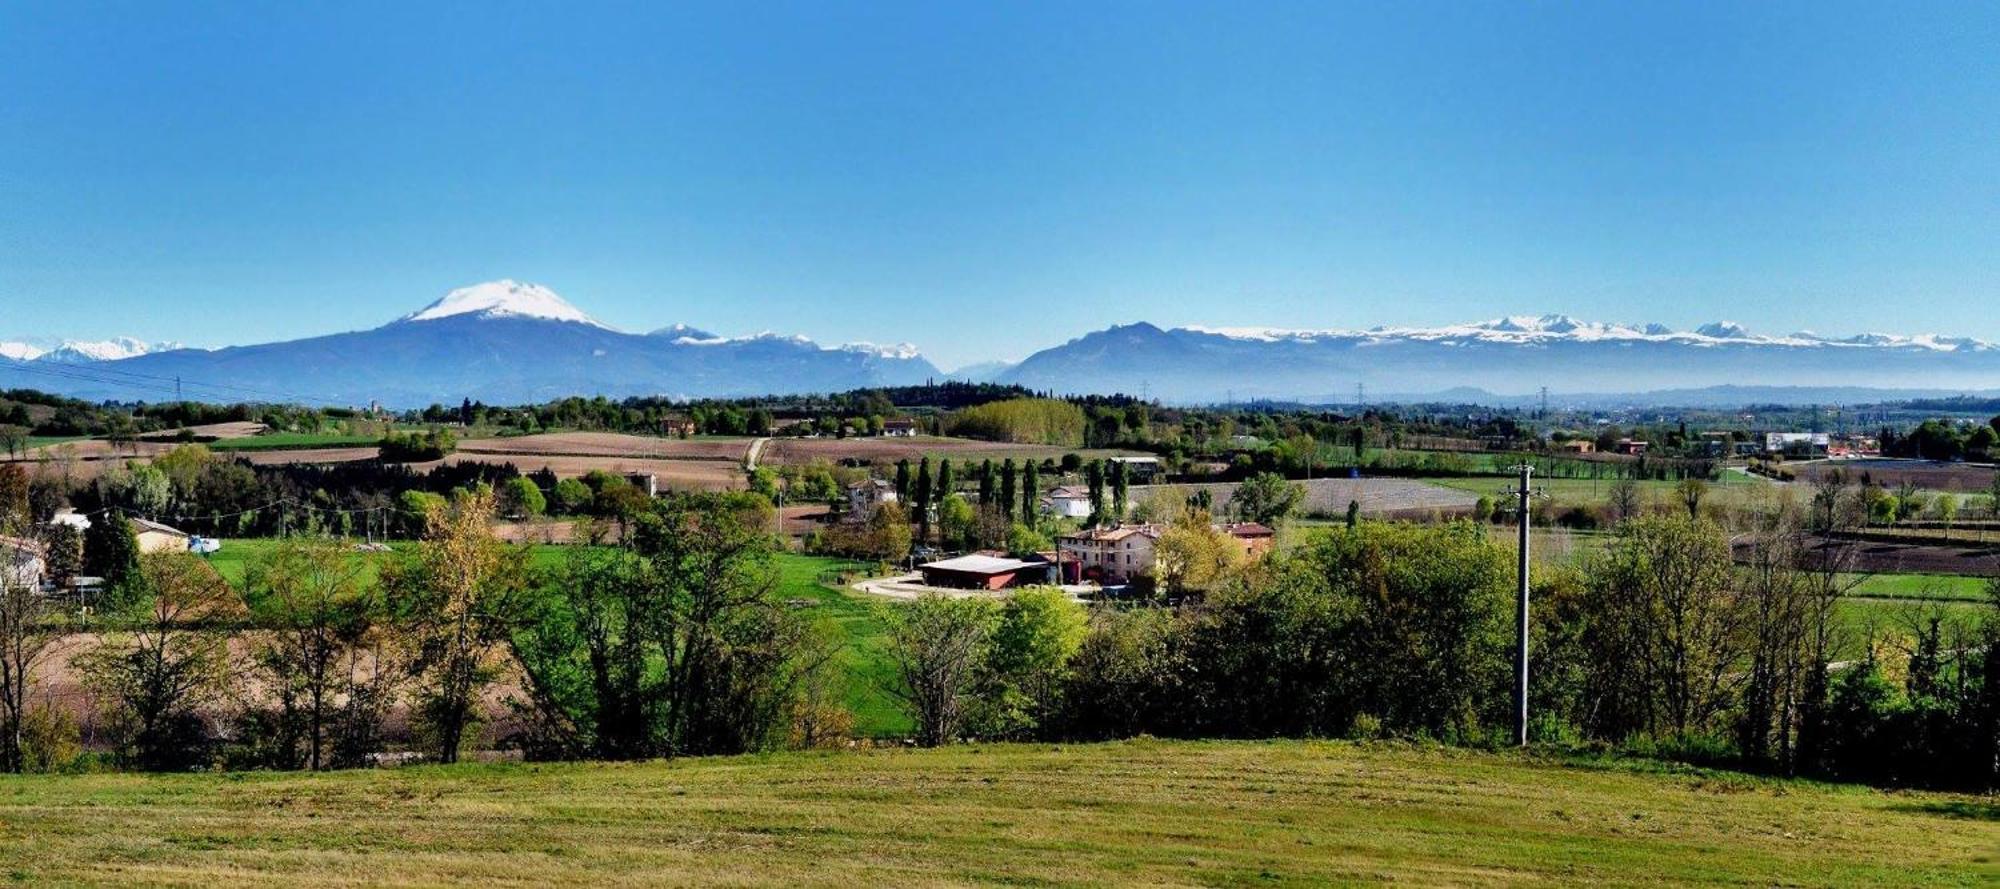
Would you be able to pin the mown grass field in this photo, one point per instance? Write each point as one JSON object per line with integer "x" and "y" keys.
{"x": 1141, "y": 812}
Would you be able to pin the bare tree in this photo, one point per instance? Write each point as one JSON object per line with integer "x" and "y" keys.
{"x": 28, "y": 630}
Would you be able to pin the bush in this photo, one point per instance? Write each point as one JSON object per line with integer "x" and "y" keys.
{"x": 50, "y": 741}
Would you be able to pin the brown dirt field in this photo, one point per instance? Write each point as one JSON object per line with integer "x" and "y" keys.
{"x": 1906, "y": 558}
{"x": 1379, "y": 497}
{"x": 1961, "y": 477}
{"x": 707, "y": 475}
{"x": 889, "y": 450}
{"x": 238, "y": 429}
{"x": 610, "y": 444}
{"x": 308, "y": 455}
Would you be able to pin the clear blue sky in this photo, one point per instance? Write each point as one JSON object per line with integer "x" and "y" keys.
{"x": 985, "y": 182}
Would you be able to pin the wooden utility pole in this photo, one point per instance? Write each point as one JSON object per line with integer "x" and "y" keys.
{"x": 1521, "y": 615}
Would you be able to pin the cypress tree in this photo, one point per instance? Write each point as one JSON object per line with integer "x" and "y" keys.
{"x": 986, "y": 482}
{"x": 1007, "y": 488}
{"x": 1030, "y": 494}
{"x": 1119, "y": 482}
{"x": 923, "y": 504}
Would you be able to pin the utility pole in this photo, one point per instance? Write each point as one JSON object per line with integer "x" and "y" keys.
{"x": 1521, "y": 614}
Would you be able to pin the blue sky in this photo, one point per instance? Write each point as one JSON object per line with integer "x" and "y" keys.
{"x": 988, "y": 181}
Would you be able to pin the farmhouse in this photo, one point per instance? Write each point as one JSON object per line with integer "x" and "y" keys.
{"x": 1068, "y": 501}
{"x": 864, "y": 497}
{"x": 1255, "y": 537}
{"x": 1112, "y": 555}
{"x": 1578, "y": 446}
{"x": 157, "y": 538}
{"x": 899, "y": 428}
{"x": 21, "y": 562}
{"x": 1140, "y": 470}
{"x": 1631, "y": 447}
{"x": 982, "y": 572}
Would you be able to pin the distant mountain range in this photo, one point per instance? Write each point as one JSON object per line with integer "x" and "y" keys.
{"x": 508, "y": 342}
{"x": 1517, "y": 355}
{"x": 501, "y": 342}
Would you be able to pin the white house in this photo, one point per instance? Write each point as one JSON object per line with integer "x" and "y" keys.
{"x": 22, "y": 562}
{"x": 1068, "y": 501}
{"x": 864, "y": 497}
{"x": 72, "y": 518}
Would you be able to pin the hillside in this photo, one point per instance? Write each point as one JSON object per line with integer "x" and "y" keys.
{"x": 1288, "y": 813}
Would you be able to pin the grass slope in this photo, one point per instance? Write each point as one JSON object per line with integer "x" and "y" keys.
{"x": 1210, "y": 813}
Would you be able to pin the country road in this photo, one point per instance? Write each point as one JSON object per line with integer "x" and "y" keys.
{"x": 756, "y": 448}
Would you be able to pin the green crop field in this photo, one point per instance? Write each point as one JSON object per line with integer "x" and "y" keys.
{"x": 1142, "y": 812}
{"x": 288, "y": 441}
{"x": 1957, "y": 588}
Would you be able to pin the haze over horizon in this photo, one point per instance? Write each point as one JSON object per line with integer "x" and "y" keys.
{"x": 225, "y": 177}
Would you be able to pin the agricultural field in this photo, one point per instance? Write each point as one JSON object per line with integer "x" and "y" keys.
{"x": 882, "y": 451}
{"x": 610, "y": 444}
{"x": 294, "y": 441}
{"x": 1925, "y": 474}
{"x": 1595, "y": 492}
{"x": 1378, "y": 497}
{"x": 1290, "y": 813}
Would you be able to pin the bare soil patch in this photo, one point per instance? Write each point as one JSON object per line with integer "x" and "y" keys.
{"x": 610, "y": 444}
{"x": 1962, "y": 477}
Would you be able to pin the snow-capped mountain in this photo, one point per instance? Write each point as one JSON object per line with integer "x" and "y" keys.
{"x": 503, "y": 342}
{"x": 1512, "y": 355}
{"x": 503, "y": 299}
{"x": 80, "y": 351}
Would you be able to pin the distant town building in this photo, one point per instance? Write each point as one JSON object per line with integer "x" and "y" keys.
{"x": 1802, "y": 445}
{"x": 678, "y": 427}
{"x": 1631, "y": 447}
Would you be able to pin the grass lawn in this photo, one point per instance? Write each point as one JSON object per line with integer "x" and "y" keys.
{"x": 864, "y": 654}
{"x": 1142, "y": 812}
{"x": 1955, "y": 587}
{"x": 42, "y": 441}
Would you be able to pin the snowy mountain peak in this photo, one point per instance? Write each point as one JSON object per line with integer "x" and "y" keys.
{"x": 81, "y": 351}
{"x": 1724, "y": 330}
{"x": 503, "y": 299}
